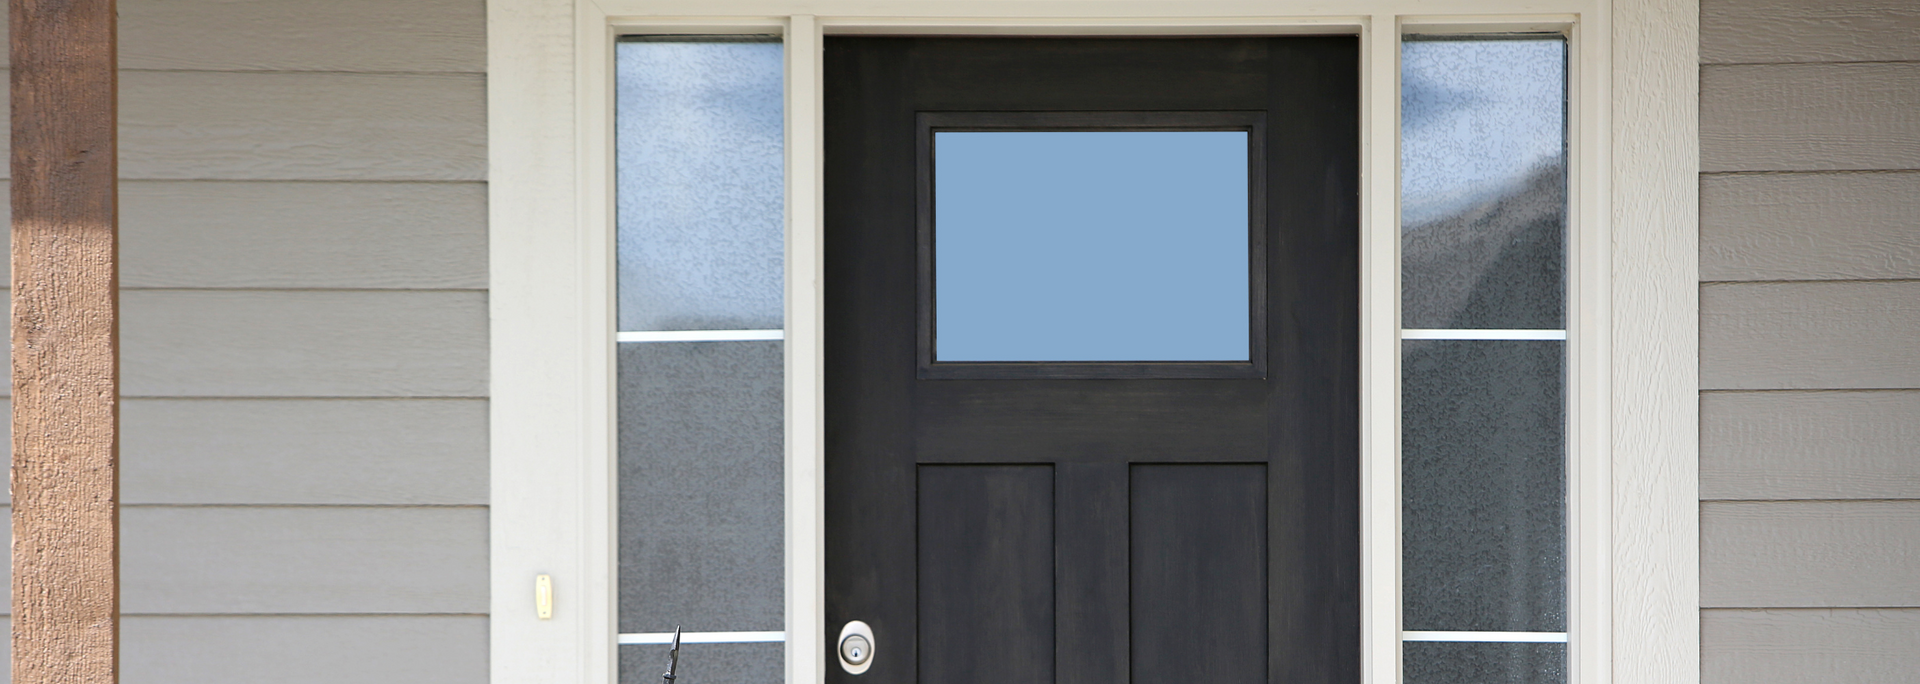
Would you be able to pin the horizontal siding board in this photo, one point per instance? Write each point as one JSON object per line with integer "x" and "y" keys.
{"x": 238, "y": 560}
{"x": 183, "y": 125}
{"x": 303, "y": 235}
{"x": 289, "y": 35}
{"x": 1816, "y": 226}
{"x": 363, "y": 649}
{"x": 1761, "y": 31}
{"x": 300, "y": 451}
{"x": 1840, "y": 646}
{"x": 294, "y": 234}
{"x": 1804, "y": 554}
{"x": 1810, "y": 335}
{"x": 1809, "y": 117}
{"x": 304, "y": 451}
{"x": 359, "y": 343}
{"x": 1809, "y": 445}
{"x": 315, "y": 560}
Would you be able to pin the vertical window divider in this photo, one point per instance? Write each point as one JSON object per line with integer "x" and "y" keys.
{"x": 805, "y": 474}
{"x": 1380, "y": 352}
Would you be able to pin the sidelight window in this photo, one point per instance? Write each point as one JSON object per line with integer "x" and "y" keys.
{"x": 699, "y": 241}
{"x": 1483, "y": 248}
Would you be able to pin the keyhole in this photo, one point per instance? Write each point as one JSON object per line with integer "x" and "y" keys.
{"x": 855, "y": 649}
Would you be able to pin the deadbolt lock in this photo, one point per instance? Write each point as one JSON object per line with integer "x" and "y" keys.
{"x": 856, "y": 647}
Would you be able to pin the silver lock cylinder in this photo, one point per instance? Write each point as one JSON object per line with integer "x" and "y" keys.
{"x": 855, "y": 647}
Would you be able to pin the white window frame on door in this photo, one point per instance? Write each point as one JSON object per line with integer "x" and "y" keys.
{"x": 1632, "y": 329}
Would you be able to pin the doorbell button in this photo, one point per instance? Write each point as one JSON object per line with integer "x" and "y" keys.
{"x": 856, "y": 647}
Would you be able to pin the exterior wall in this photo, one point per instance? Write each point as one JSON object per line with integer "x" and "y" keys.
{"x": 1810, "y": 341}
{"x": 304, "y": 341}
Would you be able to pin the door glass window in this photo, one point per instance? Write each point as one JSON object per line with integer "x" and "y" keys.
{"x": 699, "y": 167}
{"x": 1090, "y": 246}
{"x": 1484, "y": 207}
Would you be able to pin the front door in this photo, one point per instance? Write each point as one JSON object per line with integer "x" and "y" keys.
{"x": 1092, "y": 359}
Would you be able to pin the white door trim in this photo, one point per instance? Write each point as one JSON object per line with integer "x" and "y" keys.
{"x": 1632, "y": 335}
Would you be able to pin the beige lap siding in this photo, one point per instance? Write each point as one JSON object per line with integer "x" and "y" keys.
{"x": 1810, "y": 341}
{"x": 304, "y": 267}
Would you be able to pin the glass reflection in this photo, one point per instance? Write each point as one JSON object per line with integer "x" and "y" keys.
{"x": 1483, "y": 183}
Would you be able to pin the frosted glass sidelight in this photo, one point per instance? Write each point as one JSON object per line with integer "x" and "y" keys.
{"x": 1091, "y": 246}
{"x": 1483, "y": 355}
{"x": 1484, "y": 663}
{"x": 701, "y": 188}
{"x": 1483, "y": 183}
{"x": 1483, "y": 472}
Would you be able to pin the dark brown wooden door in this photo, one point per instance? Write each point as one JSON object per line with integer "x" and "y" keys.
{"x": 1095, "y": 523}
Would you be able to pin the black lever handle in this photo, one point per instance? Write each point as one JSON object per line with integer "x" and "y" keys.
{"x": 673, "y": 656}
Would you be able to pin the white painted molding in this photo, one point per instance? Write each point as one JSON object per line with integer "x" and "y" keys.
{"x": 549, "y": 480}
{"x": 1475, "y": 334}
{"x": 1655, "y": 308}
{"x": 699, "y": 335}
{"x": 1380, "y": 581}
{"x": 1487, "y": 637}
{"x": 806, "y": 520}
{"x": 664, "y": 638}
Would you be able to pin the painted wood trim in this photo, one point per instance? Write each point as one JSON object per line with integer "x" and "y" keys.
{"x": 65, "y": 327}
{"x": 541, "y": 342}
{"x": 1380, "y": 496}
{"x": 805, "y": 477}
{"x": 1654, "y": 307}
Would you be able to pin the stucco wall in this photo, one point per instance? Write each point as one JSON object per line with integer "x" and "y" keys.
{"x": 304, "y": 333}
{"x": 1810, "y": 341}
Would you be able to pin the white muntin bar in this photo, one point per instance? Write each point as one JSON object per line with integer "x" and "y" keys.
{"x": 1472, "y": 334}
{"x": 1485, "y": 637}
{"x": 699, "y": 335}
{"x": 664, "y": 638}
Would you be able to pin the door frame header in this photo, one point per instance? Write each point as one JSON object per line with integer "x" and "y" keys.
{"x": 1632, "y": 337}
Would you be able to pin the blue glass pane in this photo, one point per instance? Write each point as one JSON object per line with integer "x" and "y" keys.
{"x": 1483, "y": 183}
{"x": 701, "y": 189}
{"x": 1091, "y": 246}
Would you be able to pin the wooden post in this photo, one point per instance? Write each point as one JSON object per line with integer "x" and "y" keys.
{"x": 66, "y": 371}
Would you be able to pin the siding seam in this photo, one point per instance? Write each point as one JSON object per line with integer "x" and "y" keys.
{"x": 1808, "y": 280}
{"x": 1734, "y": 174}
{"x": 1704, "y": 65}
